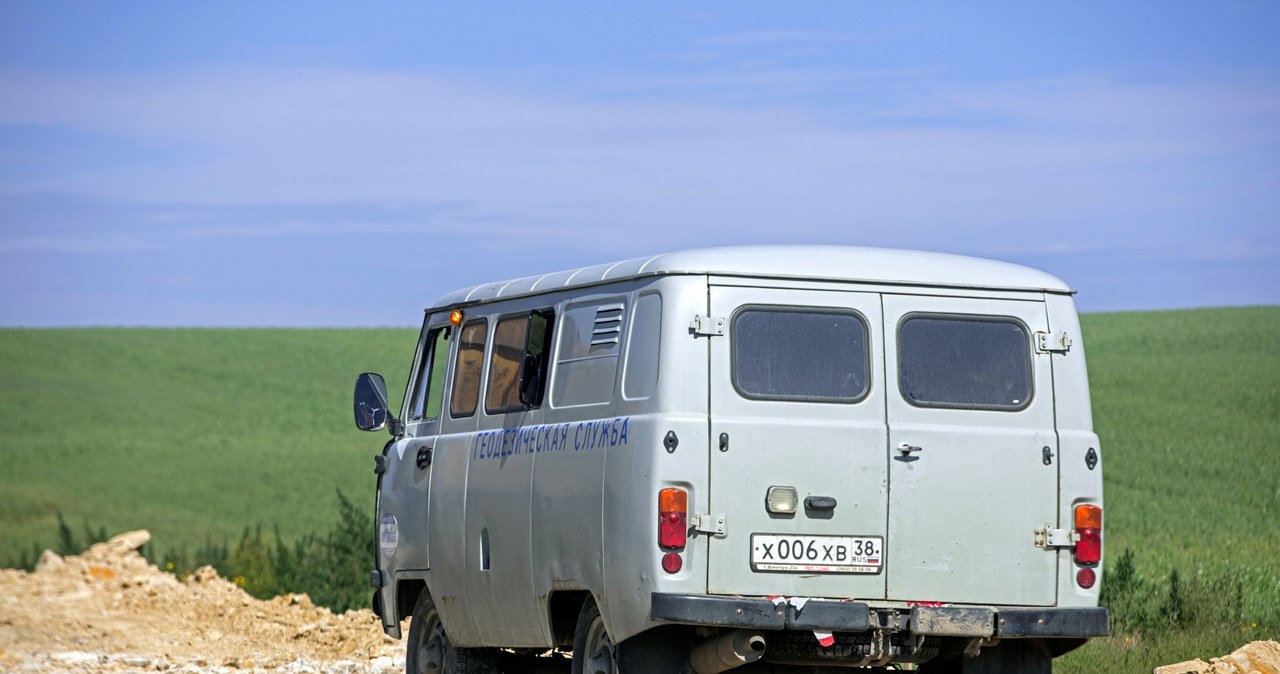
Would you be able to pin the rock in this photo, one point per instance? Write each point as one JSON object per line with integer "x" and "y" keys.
{"x": 129, "y": 541}
{"x": 76, "y": 658}
{"x": 204, "y": 574}
{"x": 49, "y": 561}
{"x": 298, "y": 666}
{"x": 1260, "y": 657}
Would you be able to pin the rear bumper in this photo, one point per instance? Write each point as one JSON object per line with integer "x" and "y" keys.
{"x": 852, "y": 616}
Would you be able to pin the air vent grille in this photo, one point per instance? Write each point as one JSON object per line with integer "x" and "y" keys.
{"x": 608, "y": 326}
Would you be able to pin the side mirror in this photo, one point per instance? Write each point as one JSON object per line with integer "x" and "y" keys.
{"x": 371, "y": 402}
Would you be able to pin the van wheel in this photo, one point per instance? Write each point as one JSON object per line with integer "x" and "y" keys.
{"x": 593, "y": 649}
{"x": 428, "y": 650}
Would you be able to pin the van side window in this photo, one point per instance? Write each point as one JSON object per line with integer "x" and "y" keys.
{"x": 537, "y": 357}
{"x": 518, "y": 357}
{"x": 817, "y": 355}
{"x": 429, "y": 386}
{"x": 964, "y": 362}
{"x": 587, "y": 359}
{"x": 466, "y": 371}
{"x": 640, "y": 374}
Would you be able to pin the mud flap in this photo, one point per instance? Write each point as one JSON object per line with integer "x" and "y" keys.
{"x": 661, "y": 650}
{"x": 1010, "y": 657}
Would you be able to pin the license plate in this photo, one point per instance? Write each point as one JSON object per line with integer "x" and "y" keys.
{"x": 816, "y": 554}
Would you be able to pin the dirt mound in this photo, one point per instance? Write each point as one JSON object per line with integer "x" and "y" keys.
{"x": 107, "y": 609}
{"x": 1259, "y": 657}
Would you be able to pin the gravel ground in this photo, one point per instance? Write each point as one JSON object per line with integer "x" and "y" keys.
{"x": 108, "y": 610}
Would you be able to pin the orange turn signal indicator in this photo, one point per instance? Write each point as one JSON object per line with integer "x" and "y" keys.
{"x": 1088, "y": 517}
{"x": 673, "y": 500}
{"x": 455, "y": 317}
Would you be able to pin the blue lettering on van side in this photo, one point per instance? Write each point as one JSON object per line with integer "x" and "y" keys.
{"x": 600, "y": 433}
{"x": 587, "y": 435}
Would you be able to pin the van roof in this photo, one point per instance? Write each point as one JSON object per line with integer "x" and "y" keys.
{"x": 811, "y": 262}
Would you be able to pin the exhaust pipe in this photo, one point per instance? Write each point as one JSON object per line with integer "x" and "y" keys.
{"x": 727, "y": 651}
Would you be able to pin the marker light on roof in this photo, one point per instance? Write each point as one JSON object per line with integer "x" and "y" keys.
{"x": 455, "y": 317}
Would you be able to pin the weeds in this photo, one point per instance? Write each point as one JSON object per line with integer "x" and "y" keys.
{"x": 1203, "y": 599}
{"x": 331, "y": 566}
{"x": 1197, "y": 611}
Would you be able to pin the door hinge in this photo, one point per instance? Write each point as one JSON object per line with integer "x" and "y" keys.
{"x": 1053, "y": 342}
{"x": 709, "y": 524}
{"x": 707, "y": 325}
{"x": 1048, "y": 537}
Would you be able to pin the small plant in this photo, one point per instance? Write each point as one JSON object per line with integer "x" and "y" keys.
{"x": 1174, "y": 605}
{"x": 1121, "y": 580}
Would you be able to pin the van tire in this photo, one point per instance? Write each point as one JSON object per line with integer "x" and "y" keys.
{"x": 428, "y": 650}
{"x": 593, "y": 649}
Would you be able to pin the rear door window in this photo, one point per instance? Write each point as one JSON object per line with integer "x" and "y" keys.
{"x": 965, "y": 362}
{"x": 802, "y": 354}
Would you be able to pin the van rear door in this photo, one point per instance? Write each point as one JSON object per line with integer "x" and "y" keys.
{"x": 797, "y": 402}
{"x": 974, "y": 469}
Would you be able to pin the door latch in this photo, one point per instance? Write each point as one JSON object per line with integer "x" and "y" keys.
{"x": 709, "y": 524}
{"x": 1048, "y": 537}
{"x": 709, "y": 326}
{"x": 1055, "y": 342}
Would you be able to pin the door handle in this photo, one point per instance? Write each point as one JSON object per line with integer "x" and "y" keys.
{"x": 907, "y": 449}
{"x": 424, "y": 457}
{"x": 820, "y": 502}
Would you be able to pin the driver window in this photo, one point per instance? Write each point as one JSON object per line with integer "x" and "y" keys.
{"x": 429, "y": 385}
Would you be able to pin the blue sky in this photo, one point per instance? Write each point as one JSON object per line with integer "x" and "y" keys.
{"x": 335, "y": 164}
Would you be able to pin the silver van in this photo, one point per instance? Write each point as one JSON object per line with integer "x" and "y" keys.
{"x": 768, "y": 458}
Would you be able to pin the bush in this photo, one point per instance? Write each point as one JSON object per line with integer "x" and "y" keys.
{"x": 331, "y": 567}
{"x": 1199, "y": 600}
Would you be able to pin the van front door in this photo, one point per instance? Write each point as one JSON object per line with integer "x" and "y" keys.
{"x": 974, "y": 470}
{"x": 404, "y": 490}
{"x": 797, "y": 407}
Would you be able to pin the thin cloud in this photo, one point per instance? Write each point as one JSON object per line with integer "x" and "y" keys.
{"x": 929, "y": 163}
{"x": 782, "y": 37}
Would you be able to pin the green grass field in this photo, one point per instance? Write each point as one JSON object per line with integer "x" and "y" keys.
{"x": 195, "y": 434}
{"x": 189, "y": 433}
{"x": 1187, "y": 404}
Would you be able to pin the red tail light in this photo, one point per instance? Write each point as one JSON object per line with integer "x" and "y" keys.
{"x": 673, "y": 516}
{"x": 1088, "y": 549}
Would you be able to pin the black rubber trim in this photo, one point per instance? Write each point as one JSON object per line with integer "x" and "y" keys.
{"x": 842, "y": 616}
{"x": 1053, "y": 622}
{"x": 715, "y": 610}
{"x": 854, "y": 616}
{"x": 760, "y": 613}
{"x": 953, "y": 621}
